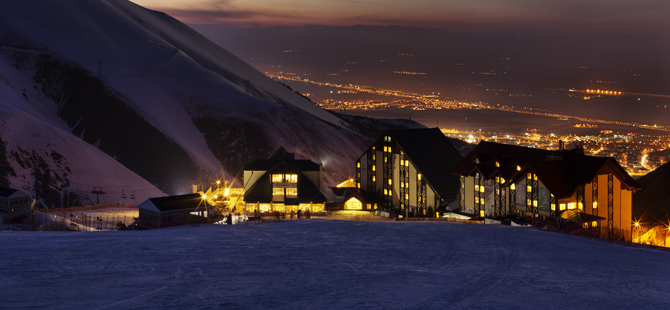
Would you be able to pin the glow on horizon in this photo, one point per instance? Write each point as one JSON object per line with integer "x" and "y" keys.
{"x": 643, "y": 15}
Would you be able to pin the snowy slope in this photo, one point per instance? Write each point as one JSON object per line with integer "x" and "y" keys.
{"x": 154, "y": 95}
{"x": 321, "y": 264}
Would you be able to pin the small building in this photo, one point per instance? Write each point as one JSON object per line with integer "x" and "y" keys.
{"x": 346, "y": 196}
{"x": 410, "y": 170}
{"x": 178, "y": 210}
{"x": 283, "y": 183}
{"x": 499, "y": 180}
{"x": 14, "y": 203}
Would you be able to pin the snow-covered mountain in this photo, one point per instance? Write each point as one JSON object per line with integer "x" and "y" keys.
{"x": 107, "y": 93}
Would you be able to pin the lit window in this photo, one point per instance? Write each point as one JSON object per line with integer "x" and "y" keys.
{"x": 535, "y": 203}
{"x": 292, "y": 192}
{"x": 481, "y": 213}
{"x": 518, "y": 168}
{"x": 595, "y": 205}
{"x": 402, "y": 162}
{"x": 353, "y": 204}
{"x": 571, "y": 206}
{"x": 277, "y": 178}
{"x": 386, "y": 191}
{"x": 374, "y": 168}
{"x": 585, "y": 225}
{"x": 580, "y": 206}
{"x": 402, "y": 206}
{"x": 418, "y": 176}
{"x": 502, "y": 180}
{"x": 529, "y": 176}
{"x": 385, "y": 149}
{"x": 374, "y": 179}
{"x": 553, "y": 207}
{"x": 390, "y": 149}
{"x": 402, "y": 184}
{"x": 291, "y": 178}
{"x": 497, "y": 179}
{"x": 529, "y": 188}
{"x": 390, "y": 182}
{"x": 594, "y": 224}
{"x": 407, "y": 163}
{"x": 385, "y": 159}
{"x": 277, "y": 192}
{"x": 390, "y": 192}
{"x": 497, "y": 164}
{"x": 406, "y": 196}
{"x": 481, "y": 189}
{"x": 512, "y": 186}
{"x": 358, "y": 164}
{"x": 529, "y": 202}
{"x": 561, "y": 207}
{"x": 374, "y": 157}
{"x": 358, "y": 185}
{"x": 373, "y": 147}
{"x": 476, "y": 187}
{"x": 535, "y": 177}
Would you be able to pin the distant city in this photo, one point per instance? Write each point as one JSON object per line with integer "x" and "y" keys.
{"x": 637, "y": 153}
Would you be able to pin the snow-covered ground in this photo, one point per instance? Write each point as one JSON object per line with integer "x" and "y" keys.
{"x": 328, "y": 264}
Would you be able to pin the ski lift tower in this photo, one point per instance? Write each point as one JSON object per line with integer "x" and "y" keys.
{"x": 97, "y": 191}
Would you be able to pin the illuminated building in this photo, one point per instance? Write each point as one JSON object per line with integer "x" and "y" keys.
{"x": 409, "y": 170}
{"x": 283, "y": 183}
{"x": 499, "y": 180}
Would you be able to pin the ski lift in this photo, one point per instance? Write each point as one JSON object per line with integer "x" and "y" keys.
{"x": 123, "y": 195}
{"x": 133, "y": 195}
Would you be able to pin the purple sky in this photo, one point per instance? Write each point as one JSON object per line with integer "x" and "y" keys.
{"x": 639, "y": 16}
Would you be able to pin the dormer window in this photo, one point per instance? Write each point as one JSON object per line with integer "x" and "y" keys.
{"x": 497, "y": 164}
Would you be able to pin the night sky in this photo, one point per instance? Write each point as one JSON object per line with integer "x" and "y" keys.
{"x": 597, "y": 16}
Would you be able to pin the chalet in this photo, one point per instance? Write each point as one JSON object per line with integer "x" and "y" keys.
{"x": 499, "y": 180}
{"x": 13, "y": 202}
{"x": 178, "y": 210}
{"x": 410, "y": 170}
{"x": 283, "y": 183}
{"x": 346, "y": 196}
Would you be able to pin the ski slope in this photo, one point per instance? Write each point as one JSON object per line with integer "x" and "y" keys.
{"x": 328, "y": 264}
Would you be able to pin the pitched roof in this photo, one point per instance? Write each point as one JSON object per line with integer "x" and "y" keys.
{"x": 261, "y": 191}
{"x": 282, "y": 157}
{"x": 342, "y": 194}
{"x": 7, "y": 192}
{"x": 179, "y": 202}
{"x": 433, "y": 155}
{"x": 560, "y": 171}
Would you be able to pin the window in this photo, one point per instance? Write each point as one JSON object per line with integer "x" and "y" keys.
{"x": 358, "y": 164}
{"x": 518, "y": 168}
{"x": 374, "y": 168}
{"x": 535, "y": 177}
{"x": 512, "y": 186}
{"x": 481, "y": 213}
{"x": 277, "y": 178}
{"x": 406, "y": 196}
{"x": 481, "y": 189}
{"x": 535, "y": 203}
{"x": 585, "y": 225}
{"x": 353, "y": 204}
{"x": 529, "y": 175}
{"x": 529, "y": 189}
{"x": 407, "y": 163}
{"x": 278, "y": 192}
{"x": 358, "y": 185}
{"x": 291, "y": 178}
{"x": 580, "y": 206}
{"x": 390, "y": 182}
{"x": 385, "y": 149}
{"x": 390, "y": 192}
{"x": 373, "y": 147}
{"x": 390, "y": 149}
{"x": 385, "y": 159}
{"x": 292, "y": 193}
{"x": 374, "y": 157}
{"x": 476, "y": 187}
{"x": 402, "y": 184}
{"x": 497, "y": 164}
{"x": 402, "y": 206}
{"x": 418, "y": 176}
{"x": 594, "y": 224}
{"x": 561, "y": 207}
{"x": 529, "y": 202}
{"x": 374, "y": 179}
{"x": 595, "y": 205}
{"x": 387, "y": 138}
{"x": 386, "y": 191}
{"x": 571, "y": 206}
{"x": 553, "y": 207}
{"x": 402, "y": 162}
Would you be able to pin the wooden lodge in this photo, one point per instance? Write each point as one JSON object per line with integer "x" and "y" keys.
{"x": 178, "y": 210}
